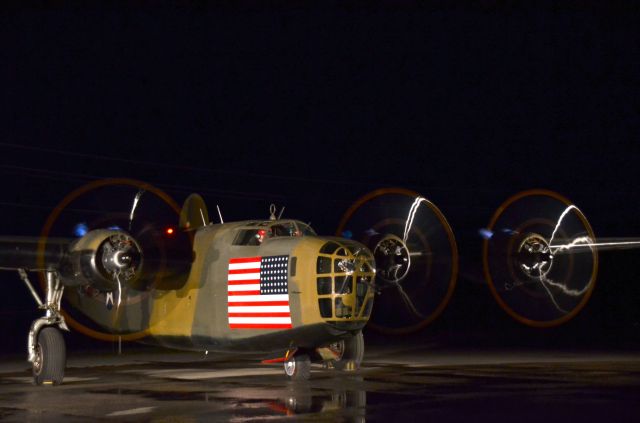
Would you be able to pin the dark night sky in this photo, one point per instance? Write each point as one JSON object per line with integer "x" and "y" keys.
{"x": 312, "y": 106}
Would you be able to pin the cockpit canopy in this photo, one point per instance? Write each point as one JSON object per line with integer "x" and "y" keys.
{"x": 254, "y": 233}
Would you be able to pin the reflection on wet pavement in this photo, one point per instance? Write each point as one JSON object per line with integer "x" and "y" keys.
{"x": 188, "y": 388}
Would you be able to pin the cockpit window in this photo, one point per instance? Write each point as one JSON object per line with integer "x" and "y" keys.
{"x": 250, "y": 237}
{"x": 259, "y": 231}
{"x": 283, "y": 229}
{"x": 291, "y": 229}
{"x": 306, "y": 230}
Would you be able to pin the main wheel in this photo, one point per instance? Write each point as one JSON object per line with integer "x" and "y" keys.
{"x": 298, "y": 367}
{"x": 349, "y": 353}
{"x": 51, "y": 357}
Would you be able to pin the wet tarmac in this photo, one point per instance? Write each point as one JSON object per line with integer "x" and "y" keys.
{"x": 395, "y": 384}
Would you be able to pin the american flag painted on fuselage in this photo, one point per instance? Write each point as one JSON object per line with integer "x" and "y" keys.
{"x": 258, "y": 293}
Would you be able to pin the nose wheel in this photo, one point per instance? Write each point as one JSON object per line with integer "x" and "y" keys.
{"x": 298, "y": 367}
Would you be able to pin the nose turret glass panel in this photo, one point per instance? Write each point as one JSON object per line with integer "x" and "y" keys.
{"x": 345, "y": 276}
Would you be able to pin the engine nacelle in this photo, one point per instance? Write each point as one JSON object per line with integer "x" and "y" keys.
{"x": 103, "y": 258}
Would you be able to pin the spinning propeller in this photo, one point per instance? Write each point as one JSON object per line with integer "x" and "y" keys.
{"x": 415, "y": 254}
{"x": 540, "y": 258}
{"x": 128, "y": 248}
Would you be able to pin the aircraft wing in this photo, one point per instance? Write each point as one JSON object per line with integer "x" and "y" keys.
{"x": 19, "y": 252}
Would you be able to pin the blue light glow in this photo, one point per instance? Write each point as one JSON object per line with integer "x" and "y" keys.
{"x": 485, "y": 233}
{"x": 80, "y": 229}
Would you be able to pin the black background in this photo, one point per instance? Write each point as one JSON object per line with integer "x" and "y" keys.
{"x": 312, "y": 105}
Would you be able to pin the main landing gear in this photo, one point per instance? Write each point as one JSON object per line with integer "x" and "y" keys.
{"x": 46, "y": 347}
{"x": 343, "y": 355}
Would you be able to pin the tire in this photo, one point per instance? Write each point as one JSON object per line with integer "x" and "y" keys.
{"x": 351, "y": 353}
{"x": 51, "y": 357}
{"x": 298, "y": 367}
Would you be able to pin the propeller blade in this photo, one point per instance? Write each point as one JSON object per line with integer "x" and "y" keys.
{"x": 143, "y": 255}
{"x": 539, "y": 259}
{"x": 415, "y": 253}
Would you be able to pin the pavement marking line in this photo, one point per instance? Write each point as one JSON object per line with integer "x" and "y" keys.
{"x": 29, "y": 380}
{"x": 193, "y": 374}
{"x": 131, "y": 412}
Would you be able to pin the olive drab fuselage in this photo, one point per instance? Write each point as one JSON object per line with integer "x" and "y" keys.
{"x": 328, "y": 283}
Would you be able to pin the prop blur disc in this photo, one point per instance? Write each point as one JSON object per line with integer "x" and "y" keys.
{"x": 139, "y": 209}
{"x": 538, "y": 258}
{"x": 415, "y": 253}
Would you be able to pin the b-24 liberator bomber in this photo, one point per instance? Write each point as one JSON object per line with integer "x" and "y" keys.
{"x": 264, "y": 285}
{"x": 273, "y": 286}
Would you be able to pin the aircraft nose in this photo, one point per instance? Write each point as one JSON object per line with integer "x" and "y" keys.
{"x": 344, "y": 282}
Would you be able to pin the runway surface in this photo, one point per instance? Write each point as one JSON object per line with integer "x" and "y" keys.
{"x": 395, "y": 384}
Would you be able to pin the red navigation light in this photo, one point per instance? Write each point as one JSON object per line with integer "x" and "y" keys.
{"x": 169, "y": 231}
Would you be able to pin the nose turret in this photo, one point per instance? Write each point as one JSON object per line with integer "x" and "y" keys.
{"x": 345, "y": 272}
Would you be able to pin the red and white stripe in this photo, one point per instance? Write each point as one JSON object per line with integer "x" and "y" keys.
{"x": 247, "y": 308}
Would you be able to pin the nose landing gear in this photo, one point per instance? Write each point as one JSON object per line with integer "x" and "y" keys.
{"x": 297, "y": 367}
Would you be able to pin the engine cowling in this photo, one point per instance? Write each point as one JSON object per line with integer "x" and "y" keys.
{"x": 103, "y": 258}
